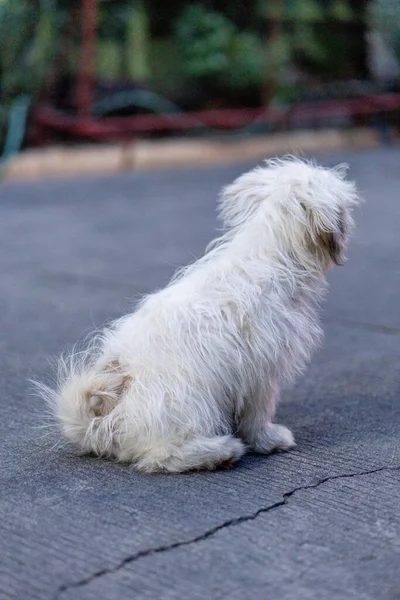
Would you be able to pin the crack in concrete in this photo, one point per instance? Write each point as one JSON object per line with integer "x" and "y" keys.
{"x": 209, "y": 533}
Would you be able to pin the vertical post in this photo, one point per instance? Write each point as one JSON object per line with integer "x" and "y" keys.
{"x": 86, "y": 74}
{"x": 275, "y": 13}
{"x": 137, "y": 39}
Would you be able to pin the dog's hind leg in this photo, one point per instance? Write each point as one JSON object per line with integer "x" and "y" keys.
{"x": 194, "y": 454}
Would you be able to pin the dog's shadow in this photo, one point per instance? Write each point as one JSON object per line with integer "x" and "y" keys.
{"x": 335, "y": 431}
{"x": 335, "y": 422}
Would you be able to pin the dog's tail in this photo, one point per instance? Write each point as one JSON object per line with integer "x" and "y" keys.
{"x": 84, "y": 394}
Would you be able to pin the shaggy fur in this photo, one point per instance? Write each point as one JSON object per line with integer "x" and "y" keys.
{"x": 191, "y": 378}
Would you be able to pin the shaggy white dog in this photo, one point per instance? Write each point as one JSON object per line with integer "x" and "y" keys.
{"x": 191, "y": 378}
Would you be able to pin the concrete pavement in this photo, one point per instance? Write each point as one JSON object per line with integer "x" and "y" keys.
{"x": 321, "y": 522}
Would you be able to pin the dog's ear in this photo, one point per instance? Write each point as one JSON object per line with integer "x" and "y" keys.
{"x": 335, "y": 241}
{"x": 330, "y": 234}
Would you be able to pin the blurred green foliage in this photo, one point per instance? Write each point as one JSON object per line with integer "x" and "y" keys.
{"x": 28, "y": 42}
{"x": 385, "y": 16}
{"x": 218, "y": 53}
{"x": 212, "y": 47}
{"x": 28, "y": 34}
{"x": 236, "y": 50}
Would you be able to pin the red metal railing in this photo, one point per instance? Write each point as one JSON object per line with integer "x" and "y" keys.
{"x": 127, "y": 127}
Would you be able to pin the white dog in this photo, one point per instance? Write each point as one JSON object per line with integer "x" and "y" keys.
{"x": 191, "y": 378}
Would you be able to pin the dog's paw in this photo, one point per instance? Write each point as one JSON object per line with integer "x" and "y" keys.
{"x": 274, "y": 438}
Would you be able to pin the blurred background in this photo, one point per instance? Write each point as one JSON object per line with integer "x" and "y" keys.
{"x": 102, "y": 70}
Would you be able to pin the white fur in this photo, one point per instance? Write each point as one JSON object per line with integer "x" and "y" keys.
{"x": 191, "y": 378}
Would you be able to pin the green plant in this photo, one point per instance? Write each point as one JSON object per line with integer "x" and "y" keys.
{"x": 28, "y": 33}
{"x": 286, "y": 34}
{"x": 123, "y": 40}
{"x": 212, "y": 48}
{"x": 28, "y": 44}
{"x": 305, "y": 32}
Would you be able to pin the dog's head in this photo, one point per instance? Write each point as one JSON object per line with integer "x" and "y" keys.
{"x": 299, "y": 209}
